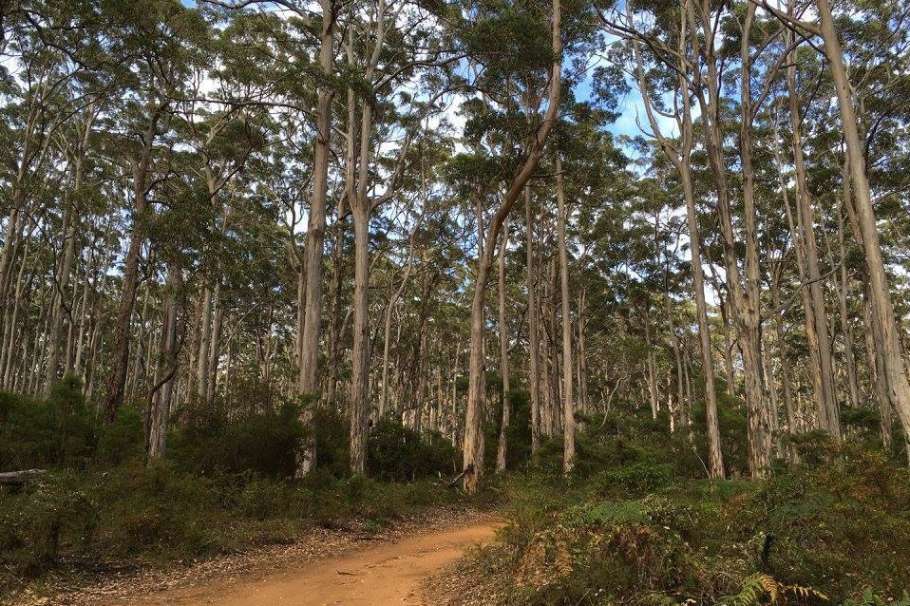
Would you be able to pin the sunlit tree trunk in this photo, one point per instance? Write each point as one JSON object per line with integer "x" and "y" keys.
{"x": 825, "y": 397}
{"x": 312, "y": 321}
{"x": 746, "y": 300}
{"x": 568, "y": 402}
{"x": 890, "y": 344}
{"x": 681, "y": 159}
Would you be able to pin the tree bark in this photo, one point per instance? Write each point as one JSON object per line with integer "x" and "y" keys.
{"x": 202, "y": 356}
{"x": 746, "y": 300}
{"x": 533, "y": 327}
{"x": 69, "y": 252}
{"x": 120, "y": 349}
{"x": 568, "y": 403}
{"x": 161, "y": 402}
{"x": 472, "y": 461}
{"x": 582, "y": 351}
{"x": 681, "y": 159}
{"x": 827, "y": 406}
{"x": 890, "y": 344}
{"x": 502, "y": 449}
{"x": 307, "y": 380}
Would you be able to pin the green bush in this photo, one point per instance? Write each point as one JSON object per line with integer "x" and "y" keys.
{"x": 57, "y": 432}
{"x": 643, "y": 530}
{"x": 205, "y": 441}
{"x": 332, "y": 435}
{"x": 49, "y": 515}
{"x": 396, "y": 453}
{"x": 638, "y": 478}
{"x": 123, "y": 440}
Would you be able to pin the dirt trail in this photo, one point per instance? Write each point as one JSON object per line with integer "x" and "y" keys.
{"x": 388, "y": 573}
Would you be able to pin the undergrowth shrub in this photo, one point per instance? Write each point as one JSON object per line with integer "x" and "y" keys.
{"x": 648, "y": 529}
{"x": 57, "y": 431}
{"x": 43, "y": 519}
{"x": 205, "y": 440}
{"x": 332, "y": 448}
{"x": 397, "y": 453}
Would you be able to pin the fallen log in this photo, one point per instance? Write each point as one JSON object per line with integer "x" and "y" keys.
{"x": 19, "y": 477}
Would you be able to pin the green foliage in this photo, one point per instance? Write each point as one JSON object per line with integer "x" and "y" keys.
{"x": 332, "y": 447}
{"x": 396, "y": 453}
{"x": 58, "y": 431}
{"x": 606, "y": 514}
{"x": 264, "y": 441}
{"x": 63, "y": 432}
{"x": 48, "y": 516}
{"x": 639, "y": 477}
{"x": 123, "y": 440}
{"x": 813, "y": 448}
{"x": 645, "y": 529}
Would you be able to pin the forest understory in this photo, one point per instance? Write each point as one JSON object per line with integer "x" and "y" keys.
{"x": 637, "y": 522}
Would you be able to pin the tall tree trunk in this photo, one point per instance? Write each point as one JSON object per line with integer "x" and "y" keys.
{"x": 214, "y": 352}
{"x": 314, "y": 252}
{"x": 554, "y": 340}
{"x": 307, "y": 380}
{"x": 568, "y": 404}
{"x": 533, "y": 327}
{"x": 582, "y": 351}
{"x": 744, "y": 301}
{"x": 785, "y": 377}
{"x": 842, "y": 296}
{"x": 472, "y": 461}
{"x": 650, "y": 366}
{"x": 202, "y": 356}
{"x": 502, "y": 449}
{"x": 890, "y": 343}
{"x": 360, "y": 357}
{"x": 681, "y": 158}
{"x": 120, "y": 348}
{"x": 11, "y": 324}
{"x": 749, "y": 302}
{"x": 161, "y": 402}
{"x": 878, "y": 374}
{"x": 360, "y": 377}
{"x": 336, "y": 325}
{"x": 827, "y": 406}
{"x": 69, "y": 253}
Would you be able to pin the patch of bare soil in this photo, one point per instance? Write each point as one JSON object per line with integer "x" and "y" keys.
{"x": 323, "y": 567}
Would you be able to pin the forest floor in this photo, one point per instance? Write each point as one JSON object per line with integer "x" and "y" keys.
{"x": 348, "y": 566}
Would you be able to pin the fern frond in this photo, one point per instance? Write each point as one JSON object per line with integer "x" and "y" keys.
{"x": 760, "y": 587}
